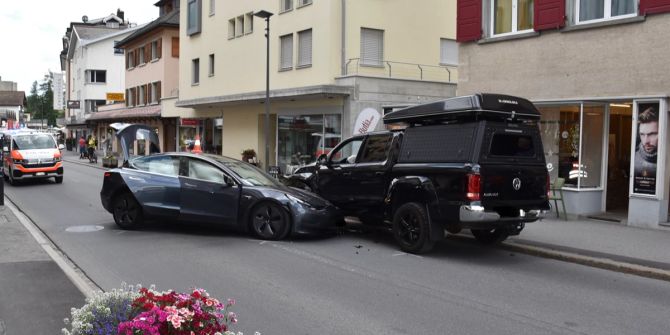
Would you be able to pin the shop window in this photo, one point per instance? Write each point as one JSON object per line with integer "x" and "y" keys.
{"x": 572, "y": 137}
{"x": 303, "y": 138}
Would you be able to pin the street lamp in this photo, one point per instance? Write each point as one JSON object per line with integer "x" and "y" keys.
{"x": 263, "y": 14}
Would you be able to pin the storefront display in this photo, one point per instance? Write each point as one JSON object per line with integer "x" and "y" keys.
{"x": 646, "y": 149}
{"x": 303, "y": 138}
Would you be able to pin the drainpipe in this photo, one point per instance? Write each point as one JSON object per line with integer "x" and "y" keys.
{"x": 344, "y": 39}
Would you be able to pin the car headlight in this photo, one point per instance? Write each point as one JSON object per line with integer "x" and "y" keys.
{"x": 299, "y": 201}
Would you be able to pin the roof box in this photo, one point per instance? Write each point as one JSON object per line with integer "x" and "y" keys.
{"x": 478, "y": 106}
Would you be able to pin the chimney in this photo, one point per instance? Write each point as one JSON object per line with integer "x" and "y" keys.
{"x": 120, "y": 14}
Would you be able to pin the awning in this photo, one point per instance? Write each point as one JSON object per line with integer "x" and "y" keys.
{"x": 127, "y": 113}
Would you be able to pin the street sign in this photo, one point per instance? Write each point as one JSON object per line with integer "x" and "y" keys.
{"x": 73, "y": 104}
{"x": 115, "y": 97}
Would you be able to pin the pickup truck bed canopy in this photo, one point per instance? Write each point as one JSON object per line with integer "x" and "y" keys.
{"x": 477, "y": 106}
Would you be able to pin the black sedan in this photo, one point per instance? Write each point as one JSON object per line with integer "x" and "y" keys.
{"x": 215, "y": 189}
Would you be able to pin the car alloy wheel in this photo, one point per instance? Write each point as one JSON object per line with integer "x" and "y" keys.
{"x": 127, "y": 212}
{"x": 410, "y": 228}
{"x": 269, "y": 221}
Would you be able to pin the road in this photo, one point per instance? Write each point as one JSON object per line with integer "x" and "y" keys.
{"x": 357, "y": 282}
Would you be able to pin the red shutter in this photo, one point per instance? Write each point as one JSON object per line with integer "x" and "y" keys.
{"x": 549, "y": 14}
{"x": 654, "y": 6}
{"x": 158, "y": 92}
{"x": 175, "y": 47}
{"x": 159, "y": 52}
{"x": 468, "y": 20}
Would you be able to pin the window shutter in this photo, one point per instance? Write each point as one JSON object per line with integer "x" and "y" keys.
{"x": 137, "y": 56}
{"x": 448, "y": 51}
{"x": 372, "y": 46}
{"x": 158, "y": 91}
{"x": 127, "y": 55}
{"x": 147, "y": 93}
{"x": 549, "y": 14}
{"x": 175, "y": 47}
{"x": 159, "y": 52}
{"x": 286, "y": 51}
{"x": 654, "y": 6}
{"x": 127, "y": 102}
{"x": 136, "y": 94}
{"x": 305, "y": 45}
{"x": 468, "y": 20}
{"x": 147, "y": 52}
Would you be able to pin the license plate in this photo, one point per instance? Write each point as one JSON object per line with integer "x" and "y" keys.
{"x": 39, "y": 173}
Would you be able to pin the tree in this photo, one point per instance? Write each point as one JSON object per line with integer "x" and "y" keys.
{"x": 33, "y": 100}
{"x": 40, "y": 101}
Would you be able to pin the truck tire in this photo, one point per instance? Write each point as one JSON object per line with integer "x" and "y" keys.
{"x": 490, "y": 236}
{"x": 411, "y": 228}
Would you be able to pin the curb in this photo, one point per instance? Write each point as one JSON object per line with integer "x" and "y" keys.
{"x": 85, "y": 164}
{"x": 74, "y": 273}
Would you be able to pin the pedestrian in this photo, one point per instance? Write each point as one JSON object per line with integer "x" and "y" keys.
{"x": 82, "y": 147}
{"x": 92, "y": 144}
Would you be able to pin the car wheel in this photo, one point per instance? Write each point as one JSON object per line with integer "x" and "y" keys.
{"x": 411, "y": 227}
{"x": 127, "y": 212}
{"x": 269, "y": 221}
{"x": 59, "y": 180}
{"x": 490, "y": 236}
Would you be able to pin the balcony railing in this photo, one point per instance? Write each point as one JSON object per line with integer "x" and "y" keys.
{"x": 399, "y": 70}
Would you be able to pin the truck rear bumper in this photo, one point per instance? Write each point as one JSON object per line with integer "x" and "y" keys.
{"x": 477, "y": 214}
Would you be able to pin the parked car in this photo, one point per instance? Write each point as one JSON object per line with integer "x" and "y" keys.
{"x": 474, "y": 162}
{"x": 212, "y": 189}
{"x": 30, "y": 154}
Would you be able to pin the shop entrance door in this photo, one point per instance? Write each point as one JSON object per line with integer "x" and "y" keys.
{"x": 618, "y": 158}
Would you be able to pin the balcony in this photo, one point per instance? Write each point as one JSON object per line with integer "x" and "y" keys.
{"x": 400, "y": 70}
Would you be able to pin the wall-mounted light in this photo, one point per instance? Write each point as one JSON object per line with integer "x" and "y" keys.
{"x": 620, "y": 105}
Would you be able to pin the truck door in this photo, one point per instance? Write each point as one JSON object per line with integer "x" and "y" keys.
{"x": 371, "y": 173}
{"x": 334, "y": 179}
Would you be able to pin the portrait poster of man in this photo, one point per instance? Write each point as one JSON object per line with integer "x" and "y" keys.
{"x": 646, "y": 149}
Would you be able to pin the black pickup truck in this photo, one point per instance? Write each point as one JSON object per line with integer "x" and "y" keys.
{"x": 473, "y": 162}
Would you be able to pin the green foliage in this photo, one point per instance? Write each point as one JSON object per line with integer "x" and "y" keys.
{"x": 40, "y": 101}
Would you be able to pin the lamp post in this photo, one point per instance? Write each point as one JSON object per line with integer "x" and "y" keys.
{"x": 266, "y": 16}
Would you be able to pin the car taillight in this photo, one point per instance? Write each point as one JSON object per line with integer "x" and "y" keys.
{"x": 107, "y": 174}
{"x": 473, "y": 187}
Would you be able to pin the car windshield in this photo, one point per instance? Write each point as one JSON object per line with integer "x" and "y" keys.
{"x": 34, "y": 141}
{"x": 249, "y": 174}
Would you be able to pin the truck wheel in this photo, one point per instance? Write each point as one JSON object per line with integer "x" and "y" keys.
{"x": 490, "y": 236}
{"x": 411, "y": 228}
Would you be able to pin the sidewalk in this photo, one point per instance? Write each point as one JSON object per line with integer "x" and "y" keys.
{"x": 35, "y": 293}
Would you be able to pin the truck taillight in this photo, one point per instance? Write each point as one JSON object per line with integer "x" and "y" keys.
{"x": 107, "y": 174}
{"x": 473, "y": 187}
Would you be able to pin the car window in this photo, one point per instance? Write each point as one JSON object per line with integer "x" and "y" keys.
{"x": 202, "y": 170}
{"x": 346, "y": 154}
{"x": 158, "y": 164}
{"x": 376, "y": 149}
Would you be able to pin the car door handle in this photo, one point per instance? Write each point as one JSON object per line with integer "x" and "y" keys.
{"x": 379, "y": 173}
{"x": 189, "y": 185}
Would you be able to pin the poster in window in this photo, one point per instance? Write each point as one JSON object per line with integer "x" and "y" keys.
{"x": 646, "y": 149}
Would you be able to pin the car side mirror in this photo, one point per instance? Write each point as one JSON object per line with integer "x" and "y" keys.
{"x": 61, "y": 147}
{"x": 322, "y": 160}
{"x": 5, "y": 149}
{"x": 228, "y": 181}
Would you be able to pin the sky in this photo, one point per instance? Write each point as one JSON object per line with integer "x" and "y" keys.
{"x": 31, "y": 32}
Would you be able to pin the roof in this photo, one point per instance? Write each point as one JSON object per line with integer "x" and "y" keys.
{"x": 120, "y": 114}
{"x": 169, "y": 20}
{"x": 12, "y": 98}
{"x": 93, "y": 32}
{"x": 482, "y": 105}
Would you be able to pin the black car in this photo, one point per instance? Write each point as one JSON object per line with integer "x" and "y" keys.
{"x": 472, "y": 162}
{"x": 211, "y": 189}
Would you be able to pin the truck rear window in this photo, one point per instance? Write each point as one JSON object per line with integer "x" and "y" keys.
{"x": 512, "y": 145}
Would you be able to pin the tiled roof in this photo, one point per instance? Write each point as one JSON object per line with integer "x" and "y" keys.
{"x": 12, "y": 98}
{"x": 169, "y": 20}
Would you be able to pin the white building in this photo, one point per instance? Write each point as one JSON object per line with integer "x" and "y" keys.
{"x": 58, "y": 87}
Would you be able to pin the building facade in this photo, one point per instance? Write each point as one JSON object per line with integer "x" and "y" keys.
{"x": 58, "y": 88}
{"x": 12, "y": 107}
{"x": 597, "y": 71}
{"x": 151, "y": 85}
{"x": 334, "y": 69}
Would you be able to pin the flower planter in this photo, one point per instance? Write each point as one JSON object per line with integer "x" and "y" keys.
{"x": 111, "y": 162}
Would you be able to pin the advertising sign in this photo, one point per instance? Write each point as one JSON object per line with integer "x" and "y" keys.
{"x": 646, "y": 149}
{"x": 366, "y": 121}
{"x": 73, "y": 104}
{"x": 115, "y": 97}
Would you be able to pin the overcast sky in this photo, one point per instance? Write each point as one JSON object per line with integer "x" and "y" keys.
{"x": 31, "y": 32}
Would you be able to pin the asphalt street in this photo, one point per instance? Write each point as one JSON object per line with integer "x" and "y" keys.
{"x": 356, "y": 282}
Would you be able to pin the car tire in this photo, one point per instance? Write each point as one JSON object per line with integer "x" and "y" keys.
{"x": 490, "y": 236}
{"x": 411, "y": 228}
{"x": 269, "y": 221}
{"x": 59, "y": 180}
{"x": 127, "y": 211}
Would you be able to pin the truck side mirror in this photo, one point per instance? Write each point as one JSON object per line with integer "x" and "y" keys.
{"x": 322, "y": 160}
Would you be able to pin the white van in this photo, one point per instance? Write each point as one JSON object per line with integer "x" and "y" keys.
{"x": 31, "y": 154}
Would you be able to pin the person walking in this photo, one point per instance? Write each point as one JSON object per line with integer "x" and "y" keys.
{"x": 82, "y": 147}
{"x": 92, "y": 144}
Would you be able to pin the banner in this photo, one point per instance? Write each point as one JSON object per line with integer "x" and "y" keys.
{"x": 646, "y": 148}
{"x": 366, "y": 121}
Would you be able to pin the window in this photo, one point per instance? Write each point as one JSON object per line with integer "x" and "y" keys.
{"x": 590, "y": 10}
{"x": 167, "y": 165}
{"x": 130, "y": 60}
{"x": 91, "y": 106}
{"x": 376, "y": 149}
{"x": 304, "y": 2}
{"x": 141, "y": 55}
{"x": 155, "y": 93}
{"x": 248, "y": 23}
{"x": 142, "y": 95}
{"x": 512, "y": 145}
{"x": 175, "y": 47}
{"x": 286, "y": 5}
{"x": 117, "y": 51}
{"x": 195, "y": 70}
{"x": 96, "y": 76}
{"x": 372, "y": 47}
{"x": 448, "y": 52}
{"x": 347, "y": 153}
{"x": 194, "y": 14}
{"x": 130, "y": 97}
{"x": 199, "y": 169}
{"x": 212, "y": 7}
{"x": 511, "y": 16}
{"x": 231, "y": 28}
{"x": 211, "y": 65}
{"x": 239, "y": 26}
{"x": 305, "y": 48}
{"x": 286, "y": 52}
{"x": 154, "y": 50}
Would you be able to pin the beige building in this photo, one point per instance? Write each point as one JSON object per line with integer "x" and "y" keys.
{"x": 334, "y": 68}
{"x": 592, "y": 68}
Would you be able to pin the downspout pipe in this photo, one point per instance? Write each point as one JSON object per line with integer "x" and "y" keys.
{"x": 344, "y": 38}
